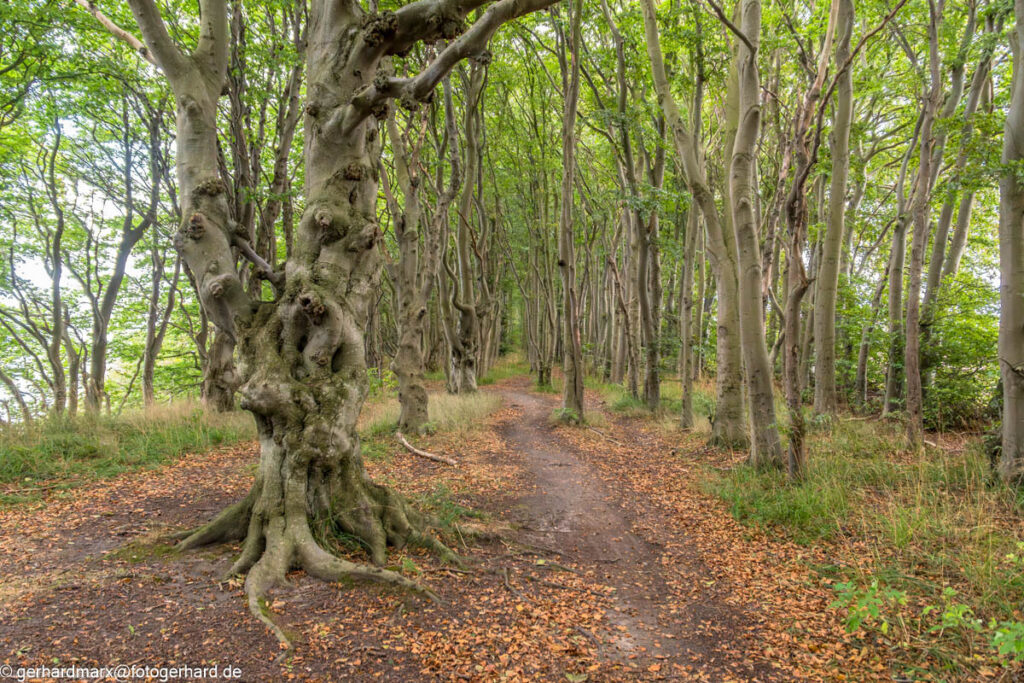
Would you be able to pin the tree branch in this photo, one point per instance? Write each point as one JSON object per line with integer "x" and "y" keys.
{"x": 418, "y": 88}
{"x": 731, "y": 26}
{"x": 167, "y": 55}
{"x": 116, "y": 31}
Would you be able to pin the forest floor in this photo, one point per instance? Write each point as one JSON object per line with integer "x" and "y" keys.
{"x": 612, "y": 566}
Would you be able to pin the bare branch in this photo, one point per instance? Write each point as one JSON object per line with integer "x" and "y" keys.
{"x": 731, "y": 26}
{"x": 118, "y": 32}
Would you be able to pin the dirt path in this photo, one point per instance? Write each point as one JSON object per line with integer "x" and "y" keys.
{"x": 615, "y": 569}
{"x": 572, "y": 510}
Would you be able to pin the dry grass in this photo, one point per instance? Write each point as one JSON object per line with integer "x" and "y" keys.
{"x": 446, "y": 412}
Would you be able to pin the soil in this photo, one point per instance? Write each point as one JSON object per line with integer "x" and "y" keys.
{"x": 592, "y": 573}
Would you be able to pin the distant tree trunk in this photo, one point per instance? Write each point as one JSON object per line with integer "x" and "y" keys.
{"x": 860, "y": 387}
{"x": 572, "y": 395}
{"x": 157, "y": 321}
{"x": 416, "y": 270}
{"x": 649, "y": 287}
{"x": 19, "y": 397}
{"x": 1011, "y": 267}
{"x": 685, "y": 317}
{"x": 897, "y": 256}
{"x": 463, "y": 376}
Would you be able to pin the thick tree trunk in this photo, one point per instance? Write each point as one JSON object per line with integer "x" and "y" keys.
{"x": 220, "y": 379}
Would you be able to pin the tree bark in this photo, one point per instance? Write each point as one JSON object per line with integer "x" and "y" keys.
{"x": 728, "y": 425}
{"x": 912, "y": 351}
{"x": 766, "y": 449}
{"x": 1011, "y": 267}
{"x": 825, "y": 399}
{"x": 572, "y": 394}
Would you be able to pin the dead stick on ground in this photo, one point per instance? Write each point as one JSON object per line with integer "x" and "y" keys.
{"x": 424, "y": 454}
{"x": 598, "y": 431}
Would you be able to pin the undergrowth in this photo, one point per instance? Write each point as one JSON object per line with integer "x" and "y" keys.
{"x": 936, "y": 546}
{"x": 61, "y": 452}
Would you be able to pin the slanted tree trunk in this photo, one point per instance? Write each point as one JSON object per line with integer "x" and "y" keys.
{"x": 728, "y": 426}
{"x": 1011, "y": 267}
{"x": 157, "y": 321}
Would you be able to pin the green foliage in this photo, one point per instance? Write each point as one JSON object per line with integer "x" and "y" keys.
{"x": 867, "y": 606}
{"x": 382, "y": 382}
{"x": 765, "y": 497}
{"x": 441, "y": 503}
{"x": 1007, "y": 638}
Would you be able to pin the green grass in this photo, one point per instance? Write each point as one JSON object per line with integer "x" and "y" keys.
{"x": 619, "y": 399}
{"x": 926, "y": 524}
{"x": 59, "y": 453}
{"x": 511, "y": 365}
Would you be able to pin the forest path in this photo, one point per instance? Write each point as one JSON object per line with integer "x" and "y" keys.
{"x": 661, "y": 617}
{"x": 612, "y": 566}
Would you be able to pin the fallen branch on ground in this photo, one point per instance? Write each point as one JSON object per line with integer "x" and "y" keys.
{"x": 424, "y": 454}
{"x": 598, "y": 431}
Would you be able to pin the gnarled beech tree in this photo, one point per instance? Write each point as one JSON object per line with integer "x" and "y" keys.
{"x": 301, "y": 354}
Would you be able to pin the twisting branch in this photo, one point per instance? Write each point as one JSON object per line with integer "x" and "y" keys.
{"x": 263, "y": 269}
{"x": 419, "y": 87}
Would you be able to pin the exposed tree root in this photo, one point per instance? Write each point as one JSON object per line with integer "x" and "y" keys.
{"x": 278, "y": 539}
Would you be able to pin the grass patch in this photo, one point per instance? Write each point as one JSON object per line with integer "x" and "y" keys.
{"x": 441, "y": 503}
{"x": 510, "y": 365}
{"x": 62, "y": 452}
{"x": 446, "y": 412}
{"x": 138, "y": 551}
{"x": 938, "y": 534}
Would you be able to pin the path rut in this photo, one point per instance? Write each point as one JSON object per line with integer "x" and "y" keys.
{"x": 575, "y": 512}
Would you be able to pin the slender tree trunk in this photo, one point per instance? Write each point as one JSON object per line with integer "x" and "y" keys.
{"x": 828, "y": 272}
{"x": 728, "y": 426}
{"x": 897, "y": 255}
{"x": 1011, "y": 268}
{"x": 912, "y": 351}
{"x": 766, "y": 449}
{"x": 572, "y": 395}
